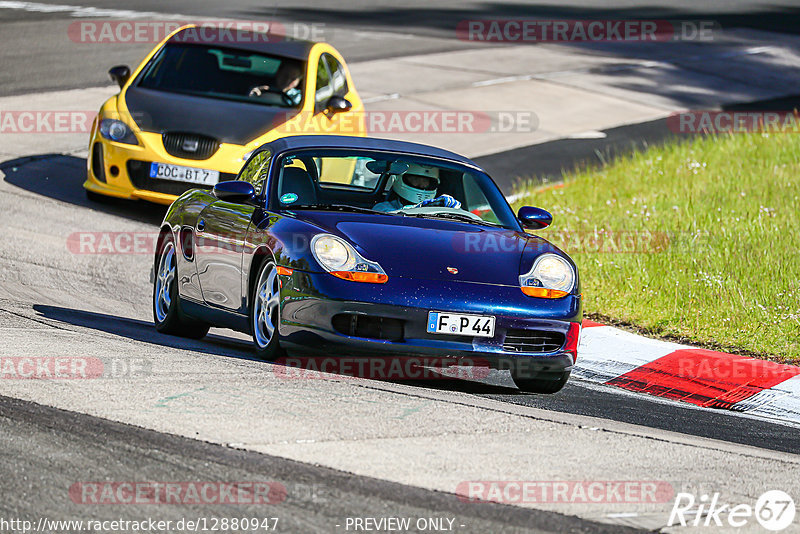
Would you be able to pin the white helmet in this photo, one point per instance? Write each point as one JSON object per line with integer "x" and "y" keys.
{"x": 417, "y": 193}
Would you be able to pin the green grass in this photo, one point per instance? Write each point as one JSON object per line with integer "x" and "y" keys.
{"x": 710, "y": 230}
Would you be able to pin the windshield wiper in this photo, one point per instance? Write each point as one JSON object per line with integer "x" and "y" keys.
{"x": 335, "y": 207}
{"x": 455, "y": 217}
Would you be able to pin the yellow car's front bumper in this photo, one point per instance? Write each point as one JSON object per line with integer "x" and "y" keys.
{"x": 121, "y": 170}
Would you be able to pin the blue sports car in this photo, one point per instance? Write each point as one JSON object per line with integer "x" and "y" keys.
{"x": 342, "y": 246}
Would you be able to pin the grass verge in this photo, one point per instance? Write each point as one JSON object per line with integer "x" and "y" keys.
{"x": 695, "y": 241}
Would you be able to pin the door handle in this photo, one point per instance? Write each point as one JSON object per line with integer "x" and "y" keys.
{"x": 201, "y": 225}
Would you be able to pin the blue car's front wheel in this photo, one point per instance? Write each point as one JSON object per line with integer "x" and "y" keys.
{"x": 265, "y": 311}
{"x": 541, "y": 384}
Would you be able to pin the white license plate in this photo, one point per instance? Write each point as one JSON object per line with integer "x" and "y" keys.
{"x": 165, "y": 171}
{"x": 460, "y": 325}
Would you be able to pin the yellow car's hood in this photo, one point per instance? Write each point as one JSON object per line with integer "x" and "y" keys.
{"x": 227, "y": 121}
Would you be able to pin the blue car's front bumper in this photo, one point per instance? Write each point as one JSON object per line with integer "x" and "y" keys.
{"x": 320, "y": 315}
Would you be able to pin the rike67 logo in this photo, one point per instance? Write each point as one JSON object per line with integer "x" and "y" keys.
{"x": 774, "y": 511}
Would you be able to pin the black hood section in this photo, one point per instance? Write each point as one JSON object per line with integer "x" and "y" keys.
{"x": 229, "y": 122}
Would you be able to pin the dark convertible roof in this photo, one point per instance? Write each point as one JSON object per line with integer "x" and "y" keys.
{"x": 365, "y": 143}
{"x": 275, "y": 45}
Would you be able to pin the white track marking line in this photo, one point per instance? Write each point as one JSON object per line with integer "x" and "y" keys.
{"x": 85, "y": 11}
{"x": 590, "y": 134}
{"x": 381, "y": 98}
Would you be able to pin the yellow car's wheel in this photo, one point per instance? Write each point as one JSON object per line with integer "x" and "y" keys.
{"x": 96, "y": 197}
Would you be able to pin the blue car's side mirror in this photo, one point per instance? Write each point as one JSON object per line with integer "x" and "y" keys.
{"x": 237, "y": 191}
{"x": 534, "y": 218}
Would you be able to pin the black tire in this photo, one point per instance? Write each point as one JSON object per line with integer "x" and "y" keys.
{"x": 266, "y": 343}
{"x": 167, "y": 314}
{"x": 547, "y": 385}
{"x": 97, "y": 197}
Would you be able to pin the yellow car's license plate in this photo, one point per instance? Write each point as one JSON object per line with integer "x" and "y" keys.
{"x": 178, "y": 173}
{"x": 459, "y": 324}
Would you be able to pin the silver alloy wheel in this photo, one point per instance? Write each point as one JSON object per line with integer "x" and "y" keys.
{"x": 265, "y": 312}
{"x": 164, "y": 278}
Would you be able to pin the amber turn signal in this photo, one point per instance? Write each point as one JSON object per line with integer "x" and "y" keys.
{"x": 285, "y": 271}
{"x": 543, "y": 293}
{"x": 355, "y": 276}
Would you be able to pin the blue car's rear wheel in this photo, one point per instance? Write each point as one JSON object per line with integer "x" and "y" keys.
{"x": 265, "y": 311}
{"x": 167, "y": 314}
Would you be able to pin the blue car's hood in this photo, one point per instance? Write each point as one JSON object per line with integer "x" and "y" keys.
{"x": 424, "y": 248}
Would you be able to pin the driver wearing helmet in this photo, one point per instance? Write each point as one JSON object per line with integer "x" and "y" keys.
{"x": 415, "y": 187}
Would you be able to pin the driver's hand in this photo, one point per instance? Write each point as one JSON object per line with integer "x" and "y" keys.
{"x": 443, "y": 201}
{"x": 258, "y": 90}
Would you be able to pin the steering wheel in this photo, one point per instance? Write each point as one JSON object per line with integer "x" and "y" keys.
{"x": 258, "y": 90}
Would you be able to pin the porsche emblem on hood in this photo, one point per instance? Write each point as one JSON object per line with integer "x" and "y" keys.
{"x": 452, "y": 270}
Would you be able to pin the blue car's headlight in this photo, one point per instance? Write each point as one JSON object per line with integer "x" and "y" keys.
{"x": 550, "y": 277}
{"x": 117, "y": 131}
{"x": 339, "y": 258}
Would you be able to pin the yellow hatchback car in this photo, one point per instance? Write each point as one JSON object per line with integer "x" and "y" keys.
{"x": 192, "y": 112}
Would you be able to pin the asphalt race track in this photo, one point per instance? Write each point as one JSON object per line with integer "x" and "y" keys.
{"x": 181, "y": 410}
{"x": 317, "y": 497}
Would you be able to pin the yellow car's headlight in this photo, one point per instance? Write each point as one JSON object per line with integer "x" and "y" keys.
{"x": 117, "y": 131}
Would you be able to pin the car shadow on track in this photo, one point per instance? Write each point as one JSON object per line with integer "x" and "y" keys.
{"x": 220, "y": 345}
{"x": 463, "y": 386}
{"x": 145, "y": 332}
{"x": 61, "y": 177}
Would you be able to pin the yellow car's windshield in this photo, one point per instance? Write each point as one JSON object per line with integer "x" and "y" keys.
{"x": 216, "y": 72}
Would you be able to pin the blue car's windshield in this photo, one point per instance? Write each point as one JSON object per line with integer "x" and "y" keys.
{"x": 216, "y": 72}
{"x": 394, "y": 184}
